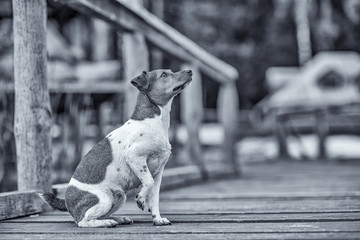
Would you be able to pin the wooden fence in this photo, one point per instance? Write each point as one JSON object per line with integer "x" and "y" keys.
{"x": 138, "y": 28}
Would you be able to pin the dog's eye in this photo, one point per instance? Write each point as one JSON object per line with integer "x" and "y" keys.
{"x": 164, "y": 74}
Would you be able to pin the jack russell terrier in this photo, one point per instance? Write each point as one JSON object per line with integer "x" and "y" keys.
{"x": 132, "y": 155}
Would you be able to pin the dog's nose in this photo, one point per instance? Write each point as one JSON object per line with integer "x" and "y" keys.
{"x": 189, "y": 72}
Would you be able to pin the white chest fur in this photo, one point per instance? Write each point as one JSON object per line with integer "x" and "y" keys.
{"x": 150, "y": 136}
{"x": 150, "y": 132}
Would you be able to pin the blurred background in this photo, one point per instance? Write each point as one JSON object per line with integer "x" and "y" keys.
{"x": 298, "y": 86}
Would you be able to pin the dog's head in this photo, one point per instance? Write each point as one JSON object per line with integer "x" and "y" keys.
{"x": 162, "y": 85}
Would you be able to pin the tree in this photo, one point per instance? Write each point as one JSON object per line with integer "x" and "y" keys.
{"x": 302, "y": 31}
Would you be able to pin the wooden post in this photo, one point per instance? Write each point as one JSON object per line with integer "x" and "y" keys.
{"x": 32, "y": 105}
{"x": 303, "y": 35}
{"x": 157, "y": 8}
{"x": 100, "y": 51}
{"x": 78, "y": 32}
{"x": 281, "y": 136}
{"x": 135, "y": 59}
{"x": 228, "y": 108}
{"x": 322, "y": 131}
{"x": 101, "y": 31}
{"x": 192, "y": 111}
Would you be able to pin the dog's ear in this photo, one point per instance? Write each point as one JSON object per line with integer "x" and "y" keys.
{"x": 141, "y": 82}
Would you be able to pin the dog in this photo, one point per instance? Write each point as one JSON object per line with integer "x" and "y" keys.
{"x": 131, "y": 156}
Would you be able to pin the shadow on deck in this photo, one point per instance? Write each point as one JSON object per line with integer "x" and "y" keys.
{"x": 282, "y": 200}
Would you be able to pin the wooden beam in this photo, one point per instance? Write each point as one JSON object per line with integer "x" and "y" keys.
{"x": 76, "y": 87}
{"x": 130, "y": 17}
{"x": 17, "y": 204}
{"x": 32, "y": 104}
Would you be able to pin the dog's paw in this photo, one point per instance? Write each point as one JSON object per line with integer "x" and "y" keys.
{"x": 124, "y": 220}
{"x": 110, "y": 223}
{"x": 158, "y": 221}
{"x": 98, "y": 223}
{"x": 140, "y": 201}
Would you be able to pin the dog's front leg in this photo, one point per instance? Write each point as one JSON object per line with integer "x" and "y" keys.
{"x": 153, "y": 200}
{"x": 139, "y": 166}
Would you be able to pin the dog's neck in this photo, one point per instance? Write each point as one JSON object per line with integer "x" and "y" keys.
{"x": 165, "y": 115}
{"x": 145, "y": 108}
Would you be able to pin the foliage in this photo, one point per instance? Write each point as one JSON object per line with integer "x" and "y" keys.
{"x": 253, "y": 35}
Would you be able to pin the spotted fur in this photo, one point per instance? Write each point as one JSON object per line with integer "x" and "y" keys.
{"x": 78, "y": 202}
{"x": 92, "y": 168}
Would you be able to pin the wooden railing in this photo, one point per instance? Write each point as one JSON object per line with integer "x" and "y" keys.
{"x": 137, "y": 22}
{"x": 138, "y": 26}
{"x": 318, "y": 120}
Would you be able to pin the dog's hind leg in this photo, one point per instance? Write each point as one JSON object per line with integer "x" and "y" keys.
{"x": 120, "y": 199}
{"x": 97, "y": 215}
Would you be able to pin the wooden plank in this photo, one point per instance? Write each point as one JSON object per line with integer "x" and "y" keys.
{"x": 85, "y": 88}
{"x": 271, "y": 206}
{"x": 83, "y": 74}
{"x": 180, "y": 177}
{"x": 186, "y": 228}
{"x": 181, "y": 236}
{"x": 131, "y": 210}
{"x": 32, "y": 104}
{"x": 232, "y": 209}
{"x": 16, "y": 204}
{"x": 94, "y": 72}
{"x": 192, "y": 111}
{"x": 248, "y": 206}
{"x": 261, "y": 196}
{"x": 228, "y": 107}
{"x": 130, "y": 17}
{"x": 210, "y": 218}
{"x": 76, "y": 87}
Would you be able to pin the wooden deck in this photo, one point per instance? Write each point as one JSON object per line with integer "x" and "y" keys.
{"x": 282, "y": 200}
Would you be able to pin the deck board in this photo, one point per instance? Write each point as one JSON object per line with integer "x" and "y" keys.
{"x": 188, "y": 228}
{"x": 216, "y": 218}
{"x": 181, "y": 236}
{"x": 283, "y": 200}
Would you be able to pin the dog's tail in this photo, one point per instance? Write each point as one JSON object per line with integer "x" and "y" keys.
{"x": 53, "y": 201}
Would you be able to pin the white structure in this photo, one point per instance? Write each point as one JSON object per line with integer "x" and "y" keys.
{"x": 329, "y": 79}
